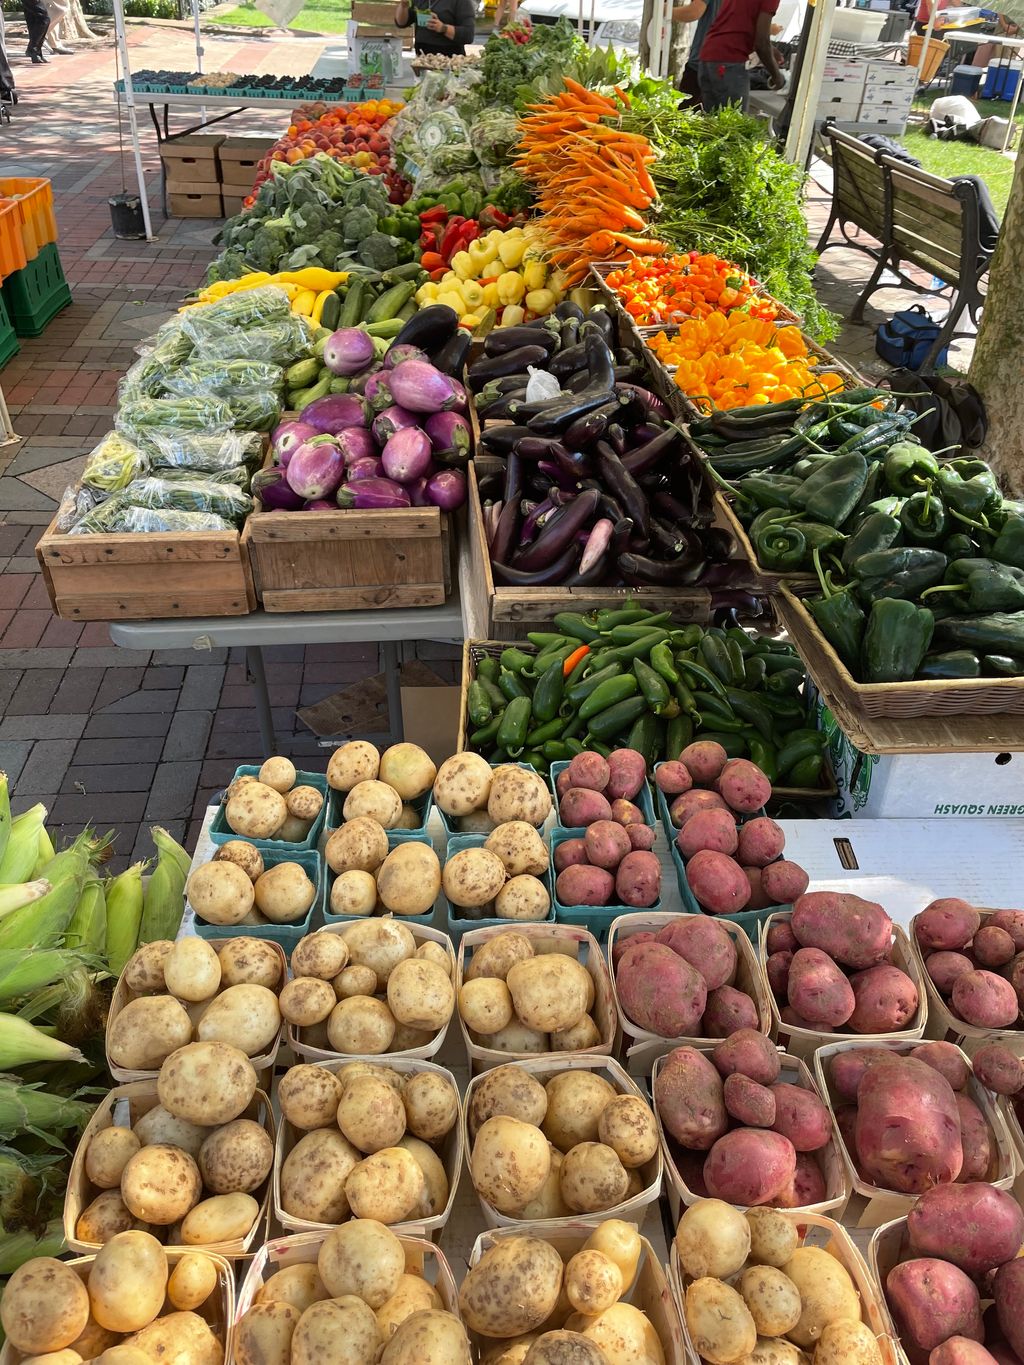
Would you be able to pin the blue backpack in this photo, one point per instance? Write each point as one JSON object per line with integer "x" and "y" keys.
{"x": 907, "y": 337}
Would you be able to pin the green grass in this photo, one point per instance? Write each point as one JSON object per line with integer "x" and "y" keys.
{"x": 965, "y": 158}
{"x": 314, "y": 18}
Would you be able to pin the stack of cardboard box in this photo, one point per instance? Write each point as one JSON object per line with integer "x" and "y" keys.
{"x": 208, "y": 174}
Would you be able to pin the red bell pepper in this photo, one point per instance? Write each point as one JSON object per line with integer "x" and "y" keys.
{"x": 452, "y": 234}
{"x": 438, "y": 214}
{"x": 429, "y": 238}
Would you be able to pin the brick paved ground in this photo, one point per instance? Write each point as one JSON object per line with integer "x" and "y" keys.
{"x": 103, "y": 735}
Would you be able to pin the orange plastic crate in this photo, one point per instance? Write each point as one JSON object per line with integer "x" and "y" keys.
{"x": 34, "y": 200}
{"x": 12, "y": 247}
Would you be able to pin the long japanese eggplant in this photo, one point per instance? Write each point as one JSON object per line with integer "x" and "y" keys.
{"x": 559, "y": 532}
{"x": 622, "y": 486}
{"x": 552, "y": 573}
{"x": 510, "y": 362}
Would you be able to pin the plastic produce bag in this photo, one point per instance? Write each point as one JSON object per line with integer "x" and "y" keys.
{"x": 541, "y": 385}
{"x": 106, "y": 517}
{"x": 246, "y": 309}
{"x": 202, "y": 453}
{"x": 255, "y": 411}
{"x": 224, "y": 378}
{"x": 171, "y": 519}
{"x": 280, "y": 343}
{"x": 147, "y": 374}
{"x": 190, "y": 495}
{"x": 494, "y": 134}
{"x": 113, "y": 464}
{"x": 143, "y": 416}
{"x": 239, "y": 475}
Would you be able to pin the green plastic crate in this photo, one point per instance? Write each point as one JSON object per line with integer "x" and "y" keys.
{"x": 8, "y": 338}
{"x": 37, "y": 293}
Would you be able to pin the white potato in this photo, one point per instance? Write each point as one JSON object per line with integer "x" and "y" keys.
{"x": 144, "y": 970}
{"x": 304, "y": 803}
{"x": 623, "y": 1333}
{"x": 486, "y": 1004}
{"x": 306, "y": 1000}
{"x": 108, "y": 1154}
{"x": 206, "y": 1083}
{"x": 409, "y": 769}
{"x": 593, "y": 1282}
{"x": 180, "y": 1339}
{"x": 575, "y": 1102}
{"x": 341, "y": 1331}
{"x": 462, "y": 784}
{"x": 380, "y": 944}
{"x": 353, "y": 893}
{"x": 435, "y": 1177}
{"x": 104, "y": 1218}
{"x": 712, "y": 1239}
{"x": 515, "y": 1037}
{"x": 221, "y": 1218}
{"x": 313, "y": 1177}
{"x": 157, "y": 1125}
{"x": 431, "y": 1105}
{"x": 497, "y": 955}
{"x": 584, "y": 1034}
{"x": 428, "y": 1337}
{"x": 773, "y": 1238}
{"x": 355, "y": 980}
{"x": 309, "y": 1096}
{"x": 246, "y": 855}
{"x": 299, "y": 1285}
{"x": 263, "y": 1335}
{"x": 409, "y": 879}
{"x": 550, "y": 992}
{"x": 284, "y": 893}
{"x": 160, "y": 1184}
{"x": 278, "y": 773}
{"x": 420, "y": 995}
{"x": 772, "y": 1299}
{"x": 145, "y": 1033}
{"x": 352, "y": 763}
{"x": 520, "y": 848}
{"x": 620, "y": 1242}
{"x": 236, "y": 1158}
{"x": 360, "y": 844}
{"x": 45, "y": 1306}
{"x": 472, "y": 877}
{"x": 220, "y": 892}
{"x": 361, "y": 1026}
{"x": 523, "y": 898}
{"x": 371, "y": 1114}
{"x": 509, "y": 1163}
{"x": 518, "y": 794}
{"x": 512, "y": 1289}
{"x": 363, "y": 1258}
{"x": 248, "y": 1017}
{"x": 387, "y": 1186}
{"x": 127, "y": 1281}
{"x": 192, "y": 969}
{"x": 255, "y": 811}
{"x": 376, "y": 800}
{"x": 248, "y": 961}
{"x": 321, "y": 955}
{"x": 592, "y": 1178}
{"x": 192, "y": 1281}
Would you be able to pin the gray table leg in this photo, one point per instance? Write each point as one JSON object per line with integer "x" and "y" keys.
{"x": 393, "y": 682}
{"x": 258, "y": 678}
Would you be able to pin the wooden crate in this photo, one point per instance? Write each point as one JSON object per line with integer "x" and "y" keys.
{"x": 115, "y": 577}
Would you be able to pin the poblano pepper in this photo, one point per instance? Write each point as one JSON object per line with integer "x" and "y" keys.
{"x": 1008, "y": 546}
{"x": 877, "y": 531}
{"x": 896, "y": 640}
{"x": 909, "y": 468}
{"x": 903, "y": 572}
{"x": 956, "y": 663}
{"x": 974, "y": 497}
{"x": 995, "y": 633}
{"x": 770, "y": 490}
{"x": 1002, "y": 666}
{"x": 923, "y": 518}
{"x": 831, "y": 493}
{"x": 838, "y": 616}
{"x": 982, "y": 585}
{"x": 780, "y": 547}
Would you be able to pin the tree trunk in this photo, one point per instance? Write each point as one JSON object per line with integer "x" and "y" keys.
{"x": 645, "y": 40}
{"x": 997, "y": 369}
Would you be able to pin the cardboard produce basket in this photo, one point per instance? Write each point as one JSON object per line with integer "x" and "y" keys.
{"x": 124, "y": 996}
{"x": 873, "y": 1204}
{"x": 804, "y": 1042}
{"x": 450, "y": 1151}
{"x": 643, "y": 1048}
{"x": 815, "y": 1230}
{"x": 544, "y": 1069}
{"x": 218, "y": 1310}
{"x": 124, "y": 1105}
{"x": 311, "y": 1045}
{"x": 560, "y": 938}
{"x": 886, "y": 1250}
{"x": 649, "y": 1292}
{"x": 830, "y": 1159}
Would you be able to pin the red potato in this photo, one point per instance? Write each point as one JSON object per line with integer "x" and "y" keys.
{"x": 854, "y": 932}
{"x": 946, "y": 924}
{"x": 992, "y": 946}
{"x": 749, "y": 1166}
{"x": 638, "y": 880}
{"x": 931, "y": 1301}
{"x": 947, "y": 1060}
{"x": 886, "y": 1000}
{"x": 1016, "y": 978}
{"x": 908, "y": 1126}
{"x": 704, "y": 760}
{"x": 1008, "y": 1292}
{"x": 961, "y": 1351}
{"x": 633, "y": 941}
{"x": 985, "y": 1000}
{"x": 590, "y": 770}
{"x": 744, "y": 786}
{"x": 562, "y": 783}
{"x": 640, "y": 837}
{"x": 1013, "y": 922}
{"x": 758, "y": 896}
{"x": 780, "y": 937}
{"x": 1003, "y": 1354}
{"x": 818, "y": 990}
{"x": 945, "y": 967}
{"x": 690, "y": 1099}
{"x": 580, "y": 806}
{"x": 673, "y": 778}
{"x": 975, "y": 1226}
{"x": 581, "y": 885}
{"x": 761, "y": 841}
{"x": 660, "y": 992}
{"x": 727, "y": 1010}
{"x": 777, "y": 966}
{"x": 975, "y": 1139}
{"x": 748, "y": 1053}
{"x": 686, "y": 806}
{"x": 717, "y": 882}
{"x": 628, "y": 772}
{"x": 790, "y": 1016}
{"x": 713, "y": 829}
{"x": 748, "y": 1102}
{"x": 784, "y": 882}
{"x": 607, "y": 843}
{"x": 807, "y": 1186}
{"x": 801, "y": 1117}
{"x": 626, "y": 813}
{"x": 846, "y": 1070}
{"x": 570, "y": 853}
{"x": 706, "y": 945}
{"x": 998, "y": 1069}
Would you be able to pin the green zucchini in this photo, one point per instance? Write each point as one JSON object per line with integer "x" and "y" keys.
{"x": 355, "y": 303}
{"x": 330, "y": 314}
{"x": 392, "y": 301}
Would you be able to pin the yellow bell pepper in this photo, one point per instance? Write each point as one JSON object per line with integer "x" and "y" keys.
{"x": 513, "y": 315}
{"x": 453, "y": 300}
{"x": 490, "y": 293}
{"x": 463, "y": 265}
{"x": 511, "y": 250}
{"x": 482, "y": 252}
{"x": 318, "y": 306}
{"x": 535, "y": 275}
{"x": 540, "y": 301}
{"x": 471, "y": 321}
{"x": 511, "y": 287}
{"x": 427, "y": 293}
{"x": 303, "y": 302}
{"x": 472, "y": 294}
{"x": 493, "y": 270}
{"x": 313, "y": 277}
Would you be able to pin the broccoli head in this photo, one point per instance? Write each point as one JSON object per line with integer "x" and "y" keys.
{"x": 328, "y": 245}
{"x": 367, "y": 191}
{"x": 309, "y": 220}
{"x": 268, "y": 245}
{"x": 229, "y": 265}
{"x": 357, "y": 223}
{"x": 378, "y": 252}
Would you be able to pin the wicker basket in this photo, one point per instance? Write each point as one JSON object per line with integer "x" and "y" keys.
{"x": 948, "y": 697}
{"x": 944, "y": 1024}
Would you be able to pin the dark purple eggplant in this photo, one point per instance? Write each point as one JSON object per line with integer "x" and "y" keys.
{"x": 559, "y": 532}
{"x": 536, "y": 484}
{"x": 671, "y": 541}
{"x": 569, "y": 333}
{"x": 562, "y": 412}
{"x": 600, "y": 318}
{"x": 638, "y": 570}
{"x": 590, "y": 577}
{"x": 600, "y": 361}
{"x": 567, "y": 362}
{"x": 735, "y": 600}
{"x": 505, "y": 531}
{"x": 673, "y": 508}
{"x": 645, "y": 432}
{"x": 646, "y": 457}
{"x": 719, "y": 545}
{"x": 578, "y": 382}
{"x": 505, "y": 339}
{"x": 568, "y": 309}
{"x": 532, "y": 447}
{"x": 622, "y": 486}
{"x": 533, "y": 519}
{"x": 593, "y": 425}
{"x": 500, "y": 440}
{"x": 609, "y": 506}
{"x": 552, "y": 470}
{"x": 451, "y": 357}
{"x": 498, "y": 366}
{"x": 617, "y": 438}
{"x": 430, "y": 328}
{"x": 550, "y": 575}
{"x": 624, "y": 374}
{"x": 573, "y": 462}
{"x": 621, "y": 533}
{"x": 651, "y": 402}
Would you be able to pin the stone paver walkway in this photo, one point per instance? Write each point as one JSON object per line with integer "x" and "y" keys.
{"x": 112, "y": 737}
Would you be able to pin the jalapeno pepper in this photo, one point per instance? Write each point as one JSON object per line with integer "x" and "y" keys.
{"x": 557, "y": 750}
{"x": 754, "y": 672}
{"x": 715, "y": 721}
{"x": 783, "y": 708}
{"x": 690, "y": 670}
{"x": 617, "y": 719}
{"x": 572, "y": 623}
{"x": 653, "y": 686}
{"x": 807, "y": 773}
{"x": 545, "y": 640}
{"x": 638, "y": 649}
{"x": 494, "y": 693}
{"x": 763, "y": 753}
{"x": 486, "y": 734}
{"x": 687, "y": 638}
{"x": 735, "y": 745}
{"x": 714, "y": 652}
{"x": 550, "y": 656}
{"x": 514, "y": 660}
{"x": 627, "y": 635}
{"x": 645, "y": 737}
{"x": 515, "y": 722}
{"x": 801, "y": 744}
{"x": 478, "y": 705}
{"x": 576, "y": 664}
{"x": 511, "y": 685}
{"x": 750, "y": 708}
{"x": 678, "y": 734}
{"x": 662, "y": 662}
{"x": 547, "y": 695}
{"x": 609, "y": 693}
{"x": 487, "y": 669}
{"x": 579, "y": 691}
{"x": 786, "y": 680}
{"x": 608, "y": 617}
{"x": 551, "y": 729}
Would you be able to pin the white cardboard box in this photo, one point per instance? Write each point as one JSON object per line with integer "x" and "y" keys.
{"x": 374, "y": 56}
{"x": 887, "y": 97}
{"x": 891, "y": 73}
{"x": 837, "y": 69}
{"x": 922, "y": 786}
{"x": 846, "y": 111}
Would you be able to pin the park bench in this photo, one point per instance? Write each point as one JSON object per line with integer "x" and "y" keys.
{"x": 915, "y": 218}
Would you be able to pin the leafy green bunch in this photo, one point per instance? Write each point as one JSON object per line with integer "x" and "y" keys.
{"x": 508, "y": 66}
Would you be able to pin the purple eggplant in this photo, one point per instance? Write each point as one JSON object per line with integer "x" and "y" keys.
{"x": 287, "y": 436}
{"x": 407, "y": 455}
{"x": 372, "y": 493}
{"x": 647, "y": 456}
{"x": 449, "y": 435}
{"x": 378, "y": 392}
{"x": 504, "y": 539}
{"x": 358, "y": 382}
{"x": 559, "y": 532}
{"x": 320, "y": 505}
{"x": 447, "y": 489}
{"x": 348, "y": 351}
{"x": 392, "y": 419}
{"x": 316, "y": 468}
{"x": 622, "y": 486}
{"x": 555, "y": 572}
{"x": 417, "y": 386}
{"x": 370, "y": 467}
{"x": 337, "y": 411}
{"x": 461, "y": 397}
{"x": 356, "y": 443}
{"x": 396, "y": 354}
{"x": 534, "y": 519}
{"x": 417, "y": 490}
{"x": 274, "y": 491}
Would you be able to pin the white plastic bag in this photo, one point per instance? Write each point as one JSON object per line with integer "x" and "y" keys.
{"x": 541, "y": 385}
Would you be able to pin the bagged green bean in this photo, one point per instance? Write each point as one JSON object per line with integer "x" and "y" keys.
{"x": 256, "y": 410}
{"x": 113, "y": 464}
{"x": 245, "y": 310}
{"x": 279, "y": 342}
{"x": 138, "y": 519}
{"x": 190, "y": 495}
{"x": 142, "y": 416}
{"x": 202, "y": 452}
{"x": 239, "y": 475}
{"x": 223, "y": 378}
{"x": 171, "y": 349}
{"x": 106, "y": 517}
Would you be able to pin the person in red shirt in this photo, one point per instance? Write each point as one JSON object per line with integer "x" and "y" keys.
{"x": 742, "y": 27}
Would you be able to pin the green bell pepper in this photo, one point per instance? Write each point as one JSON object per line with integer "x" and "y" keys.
{"x": 838, "y": 616}
{"x": 923, "y": 518}
{"x": 909, "y": 468}
{"x": 877, "y": 531}
{"x": 831, "y": 494}
{"x": 896, "y": 640}
{"x": 956, "y": 663}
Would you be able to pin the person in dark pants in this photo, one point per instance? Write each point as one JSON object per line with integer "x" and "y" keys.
{"x": 37, "y": 21}
{"x": 8, "y": 94}
{"x": 742, "y": 27}
{"x": 450, "y": 25}
{"x": 703, "y": 13}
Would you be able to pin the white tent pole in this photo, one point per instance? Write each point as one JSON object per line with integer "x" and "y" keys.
{"x": 579, "y": 21}
{"x": 657, "y": 38}
{"x": 7, "y": 432}
{"x": 590, "y": 35}
{"x": 129, "y": 96}
{"x": 804, "y": 100}
{"x": 199, "y": 52}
